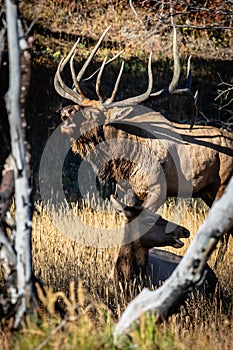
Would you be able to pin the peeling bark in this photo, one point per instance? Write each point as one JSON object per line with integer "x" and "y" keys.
{"x": 16, "y": 251}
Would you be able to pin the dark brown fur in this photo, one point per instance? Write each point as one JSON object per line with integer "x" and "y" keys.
{"x": 132, "y": 260}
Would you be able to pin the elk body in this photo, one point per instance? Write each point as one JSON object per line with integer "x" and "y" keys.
{"x": 138, "y": 261}
{"x": 158, "y": 158}
{"x": 124, "y": 140}
{"x": 162, "y": 264}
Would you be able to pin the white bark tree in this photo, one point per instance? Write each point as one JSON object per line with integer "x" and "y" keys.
{"x": 189, "y": 272}
{"x": 15, "y": 251}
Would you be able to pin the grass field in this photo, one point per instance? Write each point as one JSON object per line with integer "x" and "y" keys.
{"x": 75, "y": 279}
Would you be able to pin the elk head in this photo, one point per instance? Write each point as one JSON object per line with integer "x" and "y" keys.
{"x": 143, "y": 231}
{"x": 151, "y": 229}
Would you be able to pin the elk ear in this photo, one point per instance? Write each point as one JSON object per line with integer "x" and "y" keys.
{"x": 129, "y": 212}
{"x": 118, "y": 205}
{"x": 132, "y": 199}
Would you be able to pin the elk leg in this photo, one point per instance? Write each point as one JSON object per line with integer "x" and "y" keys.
{"x": 207, "y": 199}
{"x": 208, "y": 194}
{"x": 223, "y": 243}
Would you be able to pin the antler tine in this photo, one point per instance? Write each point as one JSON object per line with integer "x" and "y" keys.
{"x": 62, "y": 89}
{"x": 73, "y": 74}
{"x": 67, "y": 58}
{"x": 86, "y": 64}
{"x": 142, "y": 97}
{"x": 112, "y": 98}
{"x": 189, "y": 74}
{"x": 106, "y": 64}
{"x": 194, "y": 98}
{"x": 98, "y": 80}
{"x": 176, "y": 73}
{"x": 189, "y": 82}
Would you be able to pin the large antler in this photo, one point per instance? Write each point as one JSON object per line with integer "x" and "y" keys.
{"x": 76, "y": 95}
{"x": 176, "y": 74}
{"x": 172, "y": 88}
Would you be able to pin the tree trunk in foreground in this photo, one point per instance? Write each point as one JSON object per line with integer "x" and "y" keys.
{"x": 21, "y": 240}
{"x": 188, "y": 273}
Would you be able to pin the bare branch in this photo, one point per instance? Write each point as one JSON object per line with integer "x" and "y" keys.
{"x": 135, "y": 12}
{"x": 6, "y": 192}
{"x": 225, "y": 95}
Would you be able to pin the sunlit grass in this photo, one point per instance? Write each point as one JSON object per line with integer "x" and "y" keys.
{"x": 76, "y": 277}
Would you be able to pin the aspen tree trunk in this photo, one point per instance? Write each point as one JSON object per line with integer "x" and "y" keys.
{"x": 22, "y": 231}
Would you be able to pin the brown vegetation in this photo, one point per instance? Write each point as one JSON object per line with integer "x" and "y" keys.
{"x": 146, "y": 25}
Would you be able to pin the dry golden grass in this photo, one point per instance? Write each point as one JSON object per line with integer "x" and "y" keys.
{"x": 59, "y": 255}
{"x": 76, "y": 277}
{"x": 55, "y": 242}
{"x": 60, "y": 261}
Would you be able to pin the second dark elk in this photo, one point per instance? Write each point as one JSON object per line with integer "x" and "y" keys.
{"x": 138, "y": 262}
{"x": 158, "y": 158}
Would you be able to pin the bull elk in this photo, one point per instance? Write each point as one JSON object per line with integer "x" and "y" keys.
{"x": 124, "y": 140}
{"x": 137, "y": 261}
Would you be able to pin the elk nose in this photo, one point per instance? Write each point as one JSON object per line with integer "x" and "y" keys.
{"x": 185, "y": 233}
